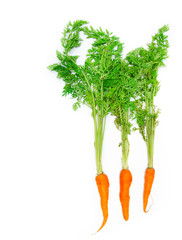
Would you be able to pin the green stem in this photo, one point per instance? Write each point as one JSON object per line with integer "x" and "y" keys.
{"x": 99, "y": 124}
{"x": 124, "y": 136}
{"x": 98, "y": 130}
{"x": 150, "y": 127}
{"x": 99, "y": 127}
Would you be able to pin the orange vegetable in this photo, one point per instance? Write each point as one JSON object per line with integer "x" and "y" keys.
{"x": 125, "y": 183}
{"x": 149, "y": 178}
{"x": 103, "y": 188}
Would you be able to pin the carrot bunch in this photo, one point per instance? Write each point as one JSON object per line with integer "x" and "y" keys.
{"x": 122, "y": 87}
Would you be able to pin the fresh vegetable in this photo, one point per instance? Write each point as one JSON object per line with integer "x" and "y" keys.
{"x": 103, "y": 188}
{"x": 146, "y": 63}
{"x": 101, "y": 64}
{"x": 90, "y": 83}
{"x": 123, "y": 103}
{"x": 125, "y": 183}
{"x": 149, "y": 178}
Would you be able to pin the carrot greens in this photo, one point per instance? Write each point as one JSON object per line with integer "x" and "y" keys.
{"x": 146, "y": 63}
{"x": 91, "y": 82}
{"x": 122, "y": 103}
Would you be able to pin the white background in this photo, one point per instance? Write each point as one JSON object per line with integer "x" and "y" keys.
{"x": 47, "y": 159}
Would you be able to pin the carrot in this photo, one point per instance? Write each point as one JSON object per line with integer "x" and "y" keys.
{"x": 103, "y": 188}
{"x": 149, "y": 178}
{"x": 125, "y": 183}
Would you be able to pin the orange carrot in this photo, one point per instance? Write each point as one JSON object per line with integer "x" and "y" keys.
{"x": 103, "y": 188}
{"x": 125, "y": 183}
{"x": 149, "y": 178}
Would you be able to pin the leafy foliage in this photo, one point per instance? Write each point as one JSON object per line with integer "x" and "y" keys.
{"x": 91, "y": 83}
{"x": 67, "y": 68}
{"x": 88, "y": 83}
{"x": 71, "y": 35}
{"x": 123, "y": 96}
{"x": 123, "y": 103}
{"x": 106, "y": 83}
{"x": 101, "y": 65}
{"x": 145, "y": 64}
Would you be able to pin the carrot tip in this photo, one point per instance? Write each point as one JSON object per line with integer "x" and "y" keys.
{"x": 126, "y": 218}
{"x": 103, "y": 224}
{"x": 146, "y": 211}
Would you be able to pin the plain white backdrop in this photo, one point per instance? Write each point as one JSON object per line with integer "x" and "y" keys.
{"x": 47, "y": 158}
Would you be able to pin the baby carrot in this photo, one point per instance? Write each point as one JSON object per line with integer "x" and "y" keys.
{"x": 125, "y": 183}
{"x": 103, "y": 188}
{"x": 149, "y": 178}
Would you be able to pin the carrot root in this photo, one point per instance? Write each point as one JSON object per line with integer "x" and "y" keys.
{"x": 148, "y": 181}
{"x": 103, "y": 188}
{"x": 125, "y": 183}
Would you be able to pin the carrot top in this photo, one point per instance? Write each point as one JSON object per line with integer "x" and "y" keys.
{"x": 123, "y": 104}
{"x": 145, "y": 64}
{"x": 89, "y": 83}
